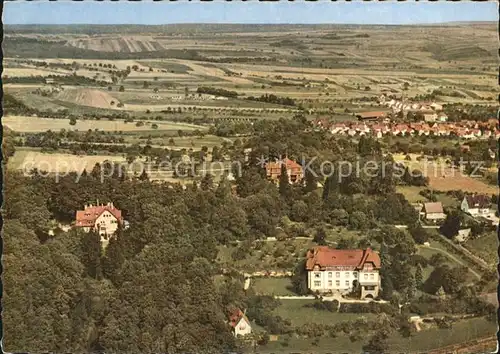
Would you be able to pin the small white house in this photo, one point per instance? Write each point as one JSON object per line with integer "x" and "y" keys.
{"x": 463, "y": 235}
{"x": 436, "y": 107}
{"x": 430, "y": 117}
{"x": 240, "y": 323}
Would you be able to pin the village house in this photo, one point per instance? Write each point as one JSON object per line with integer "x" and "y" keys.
{"x": 442, "y": 117}
{"x": 430, "y": 116}
{"x": 340, "y": 271}
{"x": 379, "y": 130}
{"x": 476, "y": 204}
{"x": 294, "y": 170}
{"x": 435, "y": 106}
{"x": 434, "y": 211}
{"x": 463, "y": 235}
{"x": 240, "y": 323}
{"x": 338, "y": 128}
{"x": 104, "y": 219}
{"x": 487, "y": 134}
{"x": 400, "y": 129}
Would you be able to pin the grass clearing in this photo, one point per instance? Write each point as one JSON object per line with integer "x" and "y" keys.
{"x": 485, "y": 247}
{"x": 461, "y": 332}
{"x": 425, "y": 340}
{"x": 429, "y": 252}
{"x": 298, "y": 314}
{"x": 412, "y": 193}
{"x": 272, "y": 286}
{"x": 274, "y": 255}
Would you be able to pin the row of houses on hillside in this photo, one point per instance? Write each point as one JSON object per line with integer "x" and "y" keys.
{"x": 400, "y": 105}
{"x": 380, "y": 130}
{"x": 198, "y": 97}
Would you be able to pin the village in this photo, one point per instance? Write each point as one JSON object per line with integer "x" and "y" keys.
{"x": 422, "y": 119}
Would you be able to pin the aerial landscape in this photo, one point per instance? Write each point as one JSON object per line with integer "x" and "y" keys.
{"x": 250, "y": 188}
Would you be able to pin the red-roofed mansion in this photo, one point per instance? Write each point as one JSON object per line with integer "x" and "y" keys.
{"x": 334, "y": 270}
{"x": 104, "y": 219}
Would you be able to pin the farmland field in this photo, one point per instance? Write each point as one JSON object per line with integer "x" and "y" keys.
{"x": 444, "y": 178}
{"x": 35, "y": 124}
{"x": 26, "y": 160}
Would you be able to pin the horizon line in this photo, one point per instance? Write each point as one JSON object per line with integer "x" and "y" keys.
{"x": 250, "y": 24}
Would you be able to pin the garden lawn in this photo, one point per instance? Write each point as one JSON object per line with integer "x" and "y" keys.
{"x": 422, "y": 341}
{"x": 272, "y": 286}
{"x": 295, "y": 311}
{"x": 485, "y": 247}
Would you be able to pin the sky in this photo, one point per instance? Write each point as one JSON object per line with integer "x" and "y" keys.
{"x": 252, "y": 11}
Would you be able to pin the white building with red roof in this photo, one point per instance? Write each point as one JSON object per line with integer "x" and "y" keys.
{"x": 103, "y": 219}
{"x": 240, "y": 323}
{"x": 340, "y": 271}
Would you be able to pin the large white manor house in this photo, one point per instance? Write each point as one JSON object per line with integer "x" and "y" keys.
{"x": 338, "y": 271}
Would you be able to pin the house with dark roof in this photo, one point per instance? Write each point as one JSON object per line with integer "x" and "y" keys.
{"x": 434, "y": 211}
{"x": 104, "y": 219}
{"x": 239, "y": 323}
{"x": 476, "y": 204}
{"x": 338, "y": 271}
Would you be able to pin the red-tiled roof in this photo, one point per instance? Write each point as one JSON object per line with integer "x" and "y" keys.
{"x": 324, "y": 256}
{"x": 276, "y": 166}
{"x": 433, "y": 208}
{"x": 87, "y": 217}
{"x": 235, "y": 316}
